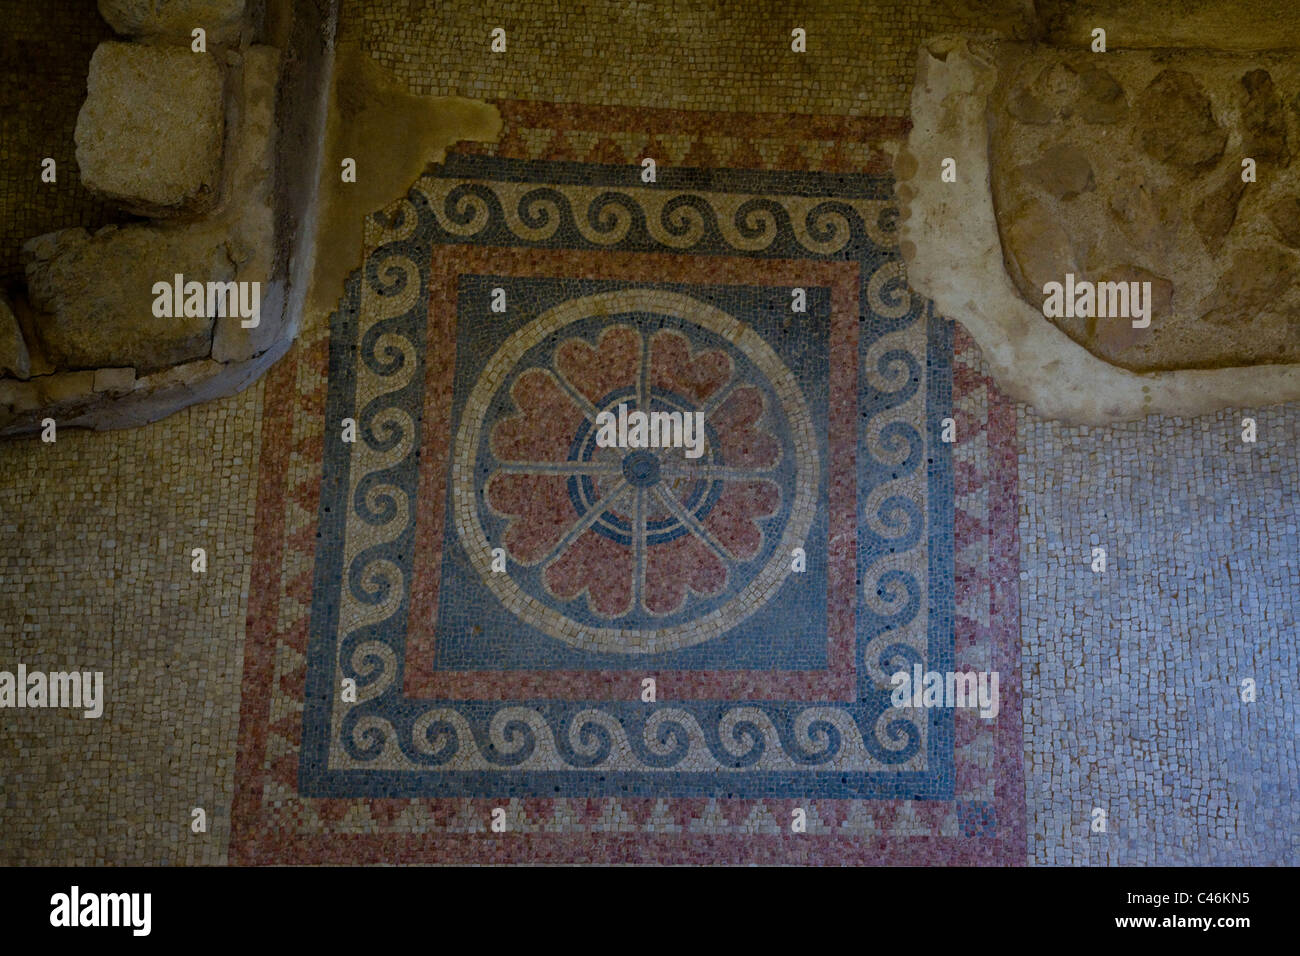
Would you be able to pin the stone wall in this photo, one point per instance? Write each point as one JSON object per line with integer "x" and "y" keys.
{"x": 1128, "y": 166}
{"x": 186, "y": 132}
{"x": 45, "y": 51}
{"x": 1239, "y": 25}
{"x": 1105, "y": 167}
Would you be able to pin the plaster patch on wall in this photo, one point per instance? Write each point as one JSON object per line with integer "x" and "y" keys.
{"x": 954, "y": 255}
{"x": 393, "y": 136}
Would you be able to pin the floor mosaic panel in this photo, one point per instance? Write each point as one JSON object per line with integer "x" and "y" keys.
{"x": 499, "y": 585}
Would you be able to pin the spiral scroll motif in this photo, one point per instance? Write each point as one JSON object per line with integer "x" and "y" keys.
{"x": 380, "y": 340}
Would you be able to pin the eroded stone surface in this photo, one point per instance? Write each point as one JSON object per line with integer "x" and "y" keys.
{"x": 1257, "y": 290}
{"x": 1027, "y": 107}
{"x": 1246, "y": 25}
{"x": 173, "y": 19}
{"x": 1157, "y": 188}
{"x": 1177, "y": 124}
{"x": 251, "y": 180}
{"x": 1215, "y": 214}
{"x": 1285, "y": 217}
{"x": 1101, "y": 98}
{"x": 1061, "y": 172}
{"x": 114, "y": 379}
{"x": 1264, "y": 120}
{"x": 954, "y": 240}
{"x": 66, "y": 391}
{"x": 1038, "y": 247}
{"x": 1116, "y": 338}
{"x": 149, "y": 135}
{"x": 14, "y": 358}
{"x": 96, "y": 293}
{"x": 1148, "y": 216}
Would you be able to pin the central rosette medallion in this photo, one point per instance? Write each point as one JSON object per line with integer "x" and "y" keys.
{"x": 667, "y": 537}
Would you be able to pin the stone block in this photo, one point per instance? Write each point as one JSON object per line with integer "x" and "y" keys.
{"x": 150, "y": 133}
{"x": 1261, "y": 114}
{"x": 19, "y": 396}
{"x": 172, "y": 19}
{"x": 1215, "y": 214}
{"x": 97, "y": 295}
{"x": 66, "y": 388}
{"x": 1101, "y": 98}
{"x": 1176, "y": 122}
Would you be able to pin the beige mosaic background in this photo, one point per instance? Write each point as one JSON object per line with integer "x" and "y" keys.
{"x": 95, "y": 537}
{"x": 679, "y": 54}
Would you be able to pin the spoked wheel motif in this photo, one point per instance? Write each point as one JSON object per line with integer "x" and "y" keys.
{"x": 635, "y": 549}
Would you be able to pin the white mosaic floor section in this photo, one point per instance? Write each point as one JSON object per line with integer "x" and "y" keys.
{"x": 1131, "y": 677}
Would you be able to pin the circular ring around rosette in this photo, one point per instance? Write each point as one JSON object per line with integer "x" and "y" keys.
{"x": 635, "y": 549}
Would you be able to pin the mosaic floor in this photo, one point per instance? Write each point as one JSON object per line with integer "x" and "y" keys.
{"x": 500, "y": 586}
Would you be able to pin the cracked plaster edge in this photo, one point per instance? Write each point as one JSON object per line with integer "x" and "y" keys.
{"x": 395, "y": 136}
{"x": 954, "y": 256}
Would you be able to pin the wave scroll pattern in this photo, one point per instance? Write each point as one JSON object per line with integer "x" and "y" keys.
{"x": 649, "y": 218}
{"x": 385, "y": 731}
